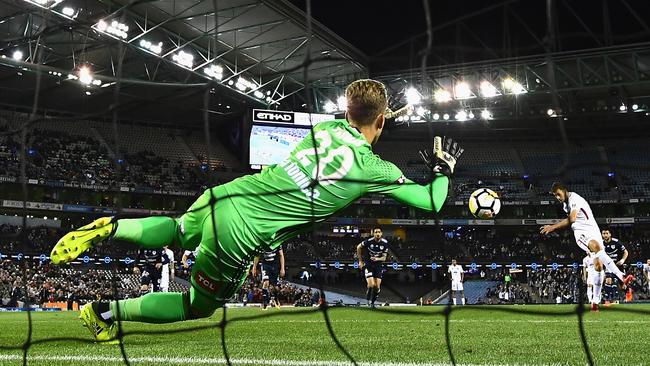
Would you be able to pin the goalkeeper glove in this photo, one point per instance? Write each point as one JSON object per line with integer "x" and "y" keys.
{"x": 443, "y": 157}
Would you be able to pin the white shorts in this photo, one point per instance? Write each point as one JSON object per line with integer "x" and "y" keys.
{"x": 583, "y": 237}
{"x": 456, "y": 286}
{"x": 164, "y": 282}
{"x": 592, "y": 275}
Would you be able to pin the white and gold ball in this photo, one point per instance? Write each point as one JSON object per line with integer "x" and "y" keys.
{"x": 484, "y": 203}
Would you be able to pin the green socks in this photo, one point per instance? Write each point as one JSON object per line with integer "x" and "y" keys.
{"x": 149, "y": 232}
{"x": 157, "y": 307}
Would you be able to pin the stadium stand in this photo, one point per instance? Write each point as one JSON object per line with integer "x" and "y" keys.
{"x": 165, "y": 158}
{"x": 46, "y": 283}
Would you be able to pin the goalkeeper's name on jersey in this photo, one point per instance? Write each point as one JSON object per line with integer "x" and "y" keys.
{"x": 301, "y": 179}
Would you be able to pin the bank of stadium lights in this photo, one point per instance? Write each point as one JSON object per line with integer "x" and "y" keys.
{"x": 70, "y": 12}
{"x": 17, "y": 55}
{"x": 436, "y": 116}
{"x": 441, "y": 96}
{"x": 445, "y": 116}
{"x": 461, "y": 116}
{"x": 155, "y": 48}
{"x": 485, "y": 114}
{"x": 622, "y": 108}
{"x": 258, "y": 94}
{"x": 243, "y": 84}
{"x": 184, "y": 59}
{"x": 514, "y": 87}
{"x": 463, "y": 91}
{"x": 330, "y": 107}
{"x": 413, "y": 97}
{"x": 488, "y": 90}
{"x": 85, "y": 77}
{"x": 214, "y": 71}
{"x": 113, "y": 28}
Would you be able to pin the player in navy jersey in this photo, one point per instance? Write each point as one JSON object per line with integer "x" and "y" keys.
{"x": 614, "y": 247}
{"x": 372, "y": 254}
{"x": 616, "y": 250}
{"x": 153, "y": 265}
{"x": 272, "y": 266}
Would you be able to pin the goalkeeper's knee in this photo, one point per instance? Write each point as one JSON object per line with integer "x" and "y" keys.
{"x": 197, "y": 312}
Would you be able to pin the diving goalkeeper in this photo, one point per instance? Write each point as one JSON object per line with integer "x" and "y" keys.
{"x": 234, "y": 222}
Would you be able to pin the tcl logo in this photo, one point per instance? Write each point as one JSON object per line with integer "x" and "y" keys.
{"x": 272, "y": 116}
{"x": 205, "y": 282}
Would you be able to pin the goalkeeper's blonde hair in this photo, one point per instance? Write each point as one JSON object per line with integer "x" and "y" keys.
{"x": 366, "y": 99}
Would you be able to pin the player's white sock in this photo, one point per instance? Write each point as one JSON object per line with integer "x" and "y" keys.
{"x": 107, "y": 315}
{"x": 598, "y": 287}
{"x": 590, "y": 295}
{"x": 454, "y": 300}
{"x": 609, "y": 264}
{"x": 463, "y": 300}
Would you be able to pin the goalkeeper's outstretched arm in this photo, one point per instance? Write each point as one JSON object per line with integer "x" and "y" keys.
{"x": 430, "y": 197}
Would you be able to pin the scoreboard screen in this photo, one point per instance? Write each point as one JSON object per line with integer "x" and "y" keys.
{"x": 276, "y": 133}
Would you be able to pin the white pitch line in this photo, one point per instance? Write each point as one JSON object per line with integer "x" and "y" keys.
{"x": 311, "y": 321}
{"x": 221, "y": 361}
{"x": 452, "y": 320}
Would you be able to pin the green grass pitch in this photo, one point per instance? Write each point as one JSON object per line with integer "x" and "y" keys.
{"x": 299, "y": 337}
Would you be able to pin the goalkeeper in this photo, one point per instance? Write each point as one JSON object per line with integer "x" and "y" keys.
{"x": 233, "y": 222}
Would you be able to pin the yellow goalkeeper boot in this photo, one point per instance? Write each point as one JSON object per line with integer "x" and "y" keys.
{"x": 101, "y": 330}
{"x": 72, "y": 244}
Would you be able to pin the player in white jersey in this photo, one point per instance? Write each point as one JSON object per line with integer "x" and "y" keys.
{"x": 585, "y": 229}
{"x": 167, "y": 269}
{"x": 593, "y": 275}
{"x": 457, "y": 276}
{"x": 646, "y": 273}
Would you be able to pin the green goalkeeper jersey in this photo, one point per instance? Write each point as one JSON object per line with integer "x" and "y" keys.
{"x": 281, "y": 201}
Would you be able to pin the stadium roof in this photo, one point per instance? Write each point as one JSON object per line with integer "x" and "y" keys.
{"x": 250, "y": 50}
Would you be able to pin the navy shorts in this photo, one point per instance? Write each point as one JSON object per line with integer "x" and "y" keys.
{"x": 270, "y": 273}
{"x": 374, "y": 270}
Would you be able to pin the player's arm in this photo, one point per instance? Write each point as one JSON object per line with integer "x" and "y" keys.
{"x": 360, "y": 248}
{"x": 172, "y": 265}
{"x": 430, "y": 197}
{"x": 184, "y": 259}
{"x": 281, "y": 253}
{"x": 462, "y": 275}
{"x": 256, "y": 261}
{"x": 547, "y": 229}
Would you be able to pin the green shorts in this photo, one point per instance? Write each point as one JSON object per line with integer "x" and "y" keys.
{"x": 226, "y": 250}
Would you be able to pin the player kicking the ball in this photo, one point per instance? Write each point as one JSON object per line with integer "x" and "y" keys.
{"x": 585, "y": 229}
{"x": 234, "y": 222}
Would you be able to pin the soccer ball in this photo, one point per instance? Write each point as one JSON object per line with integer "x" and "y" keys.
{"x": 484, "y": 203}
